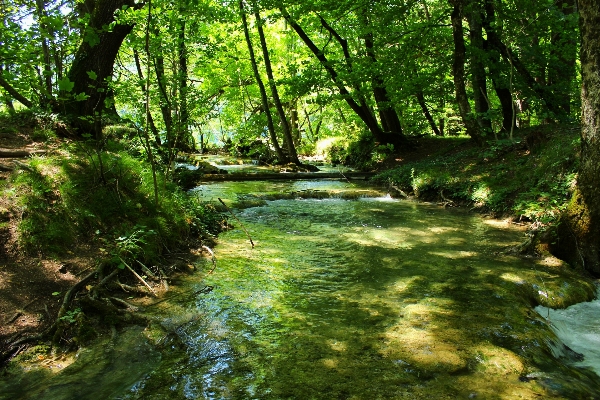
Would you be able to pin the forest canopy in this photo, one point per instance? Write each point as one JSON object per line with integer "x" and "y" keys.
{"x": 290, "y": 73}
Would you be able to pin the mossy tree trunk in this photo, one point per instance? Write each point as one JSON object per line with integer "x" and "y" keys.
{"x": 581, "y": 224}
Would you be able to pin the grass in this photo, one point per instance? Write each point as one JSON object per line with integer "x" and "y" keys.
{"x": 77, "y": 196}
{"x": 503, "y": 177}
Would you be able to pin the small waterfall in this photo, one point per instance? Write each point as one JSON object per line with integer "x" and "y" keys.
{"x": 578, "y": 328}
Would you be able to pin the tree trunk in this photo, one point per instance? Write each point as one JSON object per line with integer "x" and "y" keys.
{"x": 41, "y": 14}
{"x": 263, "y": 93}
{"x": 153, "y": 128}
{"x": 478, "y": 75}
{"x": 421, "y": 100}
{"x": 184, "y": 139}
{"x": 387, "y": 114}
{"x": 14, "y": 93}
{"x": 287, "y": 132}
{"x": 494, "y": 42}
{"x": 458, "y": 70}
{"x": 581, "y": 224}
{"x": 93, "y": 64}
{"x": 165, "y": 103}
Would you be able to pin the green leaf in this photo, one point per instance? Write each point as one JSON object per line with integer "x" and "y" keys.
{"x": 121, "y": 266}
{"x": 55, "y": 293}
{"x": 81, "y": 96}
{"x": 91, "y": 37}
{"x": 92, "y": 75}
{"x": 65, "y": 84}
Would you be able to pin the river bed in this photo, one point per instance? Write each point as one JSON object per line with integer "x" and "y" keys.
{"x": 370, "y": 298}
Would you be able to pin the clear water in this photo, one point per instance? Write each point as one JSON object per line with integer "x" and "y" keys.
{"x": 367, "y": 299}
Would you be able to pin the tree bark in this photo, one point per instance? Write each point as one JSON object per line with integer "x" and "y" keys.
{"x": 97, "y": 54}
{"x": 458, "y": 71}
{"x": 582, "y": 220}
{"x": 287, "y": 132}
{"x": 261, "y": 87}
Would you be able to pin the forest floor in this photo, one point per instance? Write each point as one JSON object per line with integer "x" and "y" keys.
{"x": 32, "y": 286}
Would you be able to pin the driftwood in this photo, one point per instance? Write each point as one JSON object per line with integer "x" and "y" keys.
{"x": 139, "y": 277}
{"x": 213, "y": 258}
{"x": 285, "y": 176}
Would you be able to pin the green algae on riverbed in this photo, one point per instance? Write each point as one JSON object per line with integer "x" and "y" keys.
{"x": 374, "y": 298}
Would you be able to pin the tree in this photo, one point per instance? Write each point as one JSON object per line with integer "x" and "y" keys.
{"x": 458, "y": 71}
{"x": 287, "y": 131}
{"x": 261, "y": 86}
{"x": 352, "y": 99}
{"x": 579, "y": 233}
{"x": 92, "y": 67}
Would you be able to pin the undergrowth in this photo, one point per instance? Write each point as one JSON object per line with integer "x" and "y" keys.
{"x": 531, "y": 182}
{"x": 78, "y": 196}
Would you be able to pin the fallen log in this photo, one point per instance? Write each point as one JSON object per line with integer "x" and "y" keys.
{"x": 285, "y": 176}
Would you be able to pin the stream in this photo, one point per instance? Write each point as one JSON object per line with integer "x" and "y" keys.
{"x": 347, "y": 294}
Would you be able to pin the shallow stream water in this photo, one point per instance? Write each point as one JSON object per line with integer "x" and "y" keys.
{"x": 372, "y": 298}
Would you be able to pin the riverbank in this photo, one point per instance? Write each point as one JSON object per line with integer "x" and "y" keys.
{"x": 83, "y": 231}
{"x": 56, "y": 228}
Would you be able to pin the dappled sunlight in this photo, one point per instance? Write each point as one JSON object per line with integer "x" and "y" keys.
{"x": 453, "y": 254}
{"x": 357, "y": 299}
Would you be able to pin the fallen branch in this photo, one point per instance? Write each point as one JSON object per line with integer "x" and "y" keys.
{"x": 399, "y": 191}
{"x": 139, "y": 277}
{"x": 146, "y": 270}
{"x": 447, "y": 202}
{"x": 213, "y": 258}
{"x": 236, "y": 218}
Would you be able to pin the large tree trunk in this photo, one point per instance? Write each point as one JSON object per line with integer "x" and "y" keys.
{"x": 458, "y": 70}
{"x": 93, "y": 63}
{"x": 287, "y": 132}
{"x": 579, "y": 232}
{"x": 263, "y": 93}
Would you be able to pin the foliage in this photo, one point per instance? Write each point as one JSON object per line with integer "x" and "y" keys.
{"x": 78, "y": 196}
{"x": 503, "y": 177}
